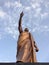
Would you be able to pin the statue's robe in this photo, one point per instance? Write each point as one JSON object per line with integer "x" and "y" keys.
{"x": 25, "y": 48}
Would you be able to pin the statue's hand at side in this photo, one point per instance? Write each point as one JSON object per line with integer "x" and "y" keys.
{"x": 21, "y": 15}
{"x": 37, "y": 49}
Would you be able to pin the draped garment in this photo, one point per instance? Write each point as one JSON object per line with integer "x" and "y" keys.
{"x": 25, "y": 48}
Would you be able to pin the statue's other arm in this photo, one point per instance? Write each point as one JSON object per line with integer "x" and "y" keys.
{"x": 36, "y": 47}
{"x": 20, "y": 22}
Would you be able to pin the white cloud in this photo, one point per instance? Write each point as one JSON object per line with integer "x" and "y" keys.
{"x": 13, "y": 4}
{"x": 15, "y": 35}
{"x": 45, "y": 26}
{"x": 38, "y": 1}
{"x": 9, "y": 30}
{"x": 10, "y": 19}
{"x": 37, "y": 12}
{"x": 44, "y": 15}
{"x": 9, "y": 24}
{"x": 2, "y": 14}
{"x": 41, "y": 28}
{"x": 7, "y": 4}
{"x": 28, "y": 8}
{"x": 18, "y": 4}
{"x": 35, "y": 5}
{"x": 13, "y": 32}
{"x": 34, "y": 29}
{"x": 46, "y": 4}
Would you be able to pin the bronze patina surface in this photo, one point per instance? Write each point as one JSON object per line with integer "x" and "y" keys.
{"x": 26, "y": 46}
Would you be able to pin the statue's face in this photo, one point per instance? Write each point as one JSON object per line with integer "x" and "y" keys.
{"x": 26, "y": 29}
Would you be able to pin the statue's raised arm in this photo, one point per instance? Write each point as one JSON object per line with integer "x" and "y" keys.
{"x": 20, "y": 22}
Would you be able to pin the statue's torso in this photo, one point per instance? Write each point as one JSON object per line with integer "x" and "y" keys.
{"x": 24, "y": 48}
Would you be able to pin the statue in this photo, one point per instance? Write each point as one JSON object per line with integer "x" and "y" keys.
{"x": 26, "y": 46}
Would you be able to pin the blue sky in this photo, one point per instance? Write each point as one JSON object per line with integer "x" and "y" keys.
{"x": 36, "y": 18}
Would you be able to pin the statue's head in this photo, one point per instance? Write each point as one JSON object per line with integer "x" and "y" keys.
{"x": 26, "y": 29}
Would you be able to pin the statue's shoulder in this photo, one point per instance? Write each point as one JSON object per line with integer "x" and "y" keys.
{"x": 30, "y": 34}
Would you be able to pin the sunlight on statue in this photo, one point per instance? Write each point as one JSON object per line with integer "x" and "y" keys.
{"x": 26, "y": 46}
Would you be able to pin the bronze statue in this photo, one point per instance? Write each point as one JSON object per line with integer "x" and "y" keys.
{"x": 26, "y": 46}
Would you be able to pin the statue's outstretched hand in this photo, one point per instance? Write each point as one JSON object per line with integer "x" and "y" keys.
{"x": 21, "y": 15}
